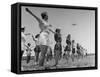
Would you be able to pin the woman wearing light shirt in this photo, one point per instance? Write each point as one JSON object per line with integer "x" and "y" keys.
{"x": 23, "y": 41}
{"x": 44, "y": 34}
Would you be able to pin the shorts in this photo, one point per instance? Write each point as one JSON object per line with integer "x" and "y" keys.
{"x": 37, "y": 48}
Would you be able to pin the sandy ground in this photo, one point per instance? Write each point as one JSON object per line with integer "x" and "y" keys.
{"x": 63, "y": 63}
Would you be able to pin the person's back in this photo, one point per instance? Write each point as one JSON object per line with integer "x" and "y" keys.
{"x": 57, "y": 37}
{"x": 58, "y": 46}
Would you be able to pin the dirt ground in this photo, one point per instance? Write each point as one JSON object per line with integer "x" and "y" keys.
{"x": 86, "y": 61}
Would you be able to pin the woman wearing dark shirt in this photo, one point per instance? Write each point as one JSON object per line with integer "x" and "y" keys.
{"x": 58, "y": 46}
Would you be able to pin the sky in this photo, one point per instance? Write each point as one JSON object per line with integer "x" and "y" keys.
{"x": 83, "y": 32}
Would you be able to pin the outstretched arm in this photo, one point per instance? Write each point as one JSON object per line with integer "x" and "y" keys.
{"x": 52, "y": 31}
{"x": 27, "y": 34}
{"x": 37, "y": 18}
{"x": 25, "y": 45}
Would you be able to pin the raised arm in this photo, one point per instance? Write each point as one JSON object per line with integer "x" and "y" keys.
{"x": 37, "y": 18}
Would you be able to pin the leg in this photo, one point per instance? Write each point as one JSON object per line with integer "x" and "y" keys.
{"x": 56, "y": 57}
{"x": 43, "y": 49}
{"x": 36, "y": 56}
{"x": 28, "y": 58}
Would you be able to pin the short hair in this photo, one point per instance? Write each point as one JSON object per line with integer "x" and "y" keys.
{"x": 43, "y": 14}
{"x": 73, "y": 41}
{"x": 57, "y": 30}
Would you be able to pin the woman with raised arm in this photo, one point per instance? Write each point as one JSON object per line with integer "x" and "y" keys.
{"x": 44, "y": 34}
{"x": 43, "y": 23}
